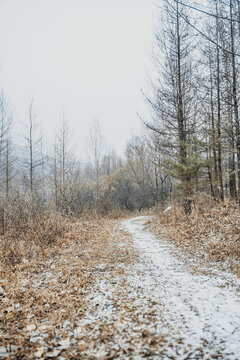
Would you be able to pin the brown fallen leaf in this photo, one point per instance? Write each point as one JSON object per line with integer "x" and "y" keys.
{"x": 39, "y": 352}
{"x": 2, "y": 292}
{"x": 82, "y": 346}
{"x": 43, "y": 327}
{"x": 153, "y": 340}
{"x": 31, "y": 327}
{"x": 64, "y": 342}
{"x": 54, "y": 353}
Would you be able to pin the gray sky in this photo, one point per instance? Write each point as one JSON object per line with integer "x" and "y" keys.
{"x": 85, "y": 56}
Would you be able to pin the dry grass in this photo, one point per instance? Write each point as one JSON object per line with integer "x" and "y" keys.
{"x": 28, "y": 231}
{"x": 212, "y": 231}
{"x": 47, "y": 264}
{"x": 44, "y": 298}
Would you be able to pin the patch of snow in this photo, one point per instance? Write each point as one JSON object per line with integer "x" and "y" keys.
{"x": 203, "y": 310}
{"x": 167, "y": 209}
{"x": 191, "y": 316}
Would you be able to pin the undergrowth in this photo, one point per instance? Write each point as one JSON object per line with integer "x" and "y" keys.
{"x": 27, "y": 232}
{"x": 211, "y": 231}
{"x": 30, "y": 229}
{"x": 44, "y": 298}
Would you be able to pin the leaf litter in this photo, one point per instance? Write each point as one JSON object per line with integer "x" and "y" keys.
{"x": 42, "y": 299}
{"x": 127, "y": 295}
{"x": 152, "y": 306}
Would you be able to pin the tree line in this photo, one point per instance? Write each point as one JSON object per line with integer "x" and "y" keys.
{"x": 190, "y": 143}
{"x": 195, "y": 97}
{"x": 36, "y": 179}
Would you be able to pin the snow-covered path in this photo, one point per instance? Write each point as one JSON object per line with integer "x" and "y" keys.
{"x": 158, "y": 308}
{"x": 203, "y": 310}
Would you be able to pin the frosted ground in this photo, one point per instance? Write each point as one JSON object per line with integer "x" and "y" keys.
{"x": 160, "y": 308}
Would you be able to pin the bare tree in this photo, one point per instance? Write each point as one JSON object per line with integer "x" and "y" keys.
{"x": 65, "y": 171}
{"x": 34, "y": 160}
{"x": 7, "y": 157}
{"x": 96, "y": 148}
{"x": 174, "y": 102}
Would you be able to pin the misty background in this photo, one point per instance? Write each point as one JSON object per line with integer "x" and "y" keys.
{"x": 86, "y": 59}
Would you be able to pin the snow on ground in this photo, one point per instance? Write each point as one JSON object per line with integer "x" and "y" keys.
{"x": 158, "y": 308}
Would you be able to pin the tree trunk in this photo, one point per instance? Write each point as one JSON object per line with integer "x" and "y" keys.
{"x": 235, "y": 98}
{"x": 219, "y": 145}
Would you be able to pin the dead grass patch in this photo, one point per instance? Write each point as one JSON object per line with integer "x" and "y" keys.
{"x": 42, "y": 301}
{"x": 212, "y": 231}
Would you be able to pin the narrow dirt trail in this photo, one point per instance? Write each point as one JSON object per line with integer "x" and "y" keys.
{"x": 203, "y": 310}
{"x": 156, "y": 307}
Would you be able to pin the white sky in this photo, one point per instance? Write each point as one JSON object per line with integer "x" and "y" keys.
{"x": 88, "y": 57}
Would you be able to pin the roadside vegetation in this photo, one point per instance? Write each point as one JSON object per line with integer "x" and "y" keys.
{"x": 43, "y": 294}
{"x": 210, "y": 233}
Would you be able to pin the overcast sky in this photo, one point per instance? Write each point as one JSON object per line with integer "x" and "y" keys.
{"x": 85, "y": 56}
